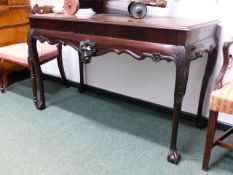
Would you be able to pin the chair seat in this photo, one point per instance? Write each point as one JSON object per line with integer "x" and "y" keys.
{"x": 18, "y": 53}
{"x": 222, "y": 99}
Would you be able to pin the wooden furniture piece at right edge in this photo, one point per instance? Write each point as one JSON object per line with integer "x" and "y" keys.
{"x": 220, "y": 102}
{"x": 177, "y": 40}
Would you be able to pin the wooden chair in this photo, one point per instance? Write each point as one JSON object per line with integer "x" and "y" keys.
{"x": 221, "y": 101}
{"x": 14, "y": 51}
{"x": 13, "y": 29}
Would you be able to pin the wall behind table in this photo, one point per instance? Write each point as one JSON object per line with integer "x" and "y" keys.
{"x": 146, "y": 80}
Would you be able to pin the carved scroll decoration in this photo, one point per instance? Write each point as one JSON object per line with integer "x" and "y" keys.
{"x": 182, "y": 58}
{"x": 43, "y": 39}
{"x": 182, "y": 61}
{"x": 156, "y": 57}
{"x": 87, "y": 49}
{"x": 200, "y": 52}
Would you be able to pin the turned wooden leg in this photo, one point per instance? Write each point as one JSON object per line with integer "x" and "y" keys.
{"x": 182, "y": 61}
{"x": 34, "y": 85}
{"x": 209, "y": 138}
{"x": 39, "y": 102}
{"x": 36, "y": 73}
{"x": 81, "y": 87}
{"x": 212, "y": 57}
{"x": 60, "y": 65}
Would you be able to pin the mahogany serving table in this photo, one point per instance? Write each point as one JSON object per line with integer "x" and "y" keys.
{"x": 178, "y": 40}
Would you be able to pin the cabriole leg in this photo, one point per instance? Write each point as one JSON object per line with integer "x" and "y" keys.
{"x": 182, "y": 61}
{"x": 212, "y": 57}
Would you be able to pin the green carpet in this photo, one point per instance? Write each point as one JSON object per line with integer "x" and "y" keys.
{"x": 89, "y": 134}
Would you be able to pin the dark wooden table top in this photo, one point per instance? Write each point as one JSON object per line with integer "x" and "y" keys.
{"x": 156, "y": 29}
{"x": 177, "y": 23}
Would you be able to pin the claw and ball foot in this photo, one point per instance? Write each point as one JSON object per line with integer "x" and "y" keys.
{"x": 173, "y": 157}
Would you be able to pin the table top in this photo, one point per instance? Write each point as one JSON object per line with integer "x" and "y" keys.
{"x": 149, "y": 21}
{"x": 155, "y": 29}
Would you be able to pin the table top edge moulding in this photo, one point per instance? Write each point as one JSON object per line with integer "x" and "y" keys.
{"x": 178, "y": 40}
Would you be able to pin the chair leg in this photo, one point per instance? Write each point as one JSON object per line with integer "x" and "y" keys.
{"x": 209, "y": 139}
{"x": 1, "y": 80}
{"x": 5, "y": 79}
{"x": 60, "y": 65}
